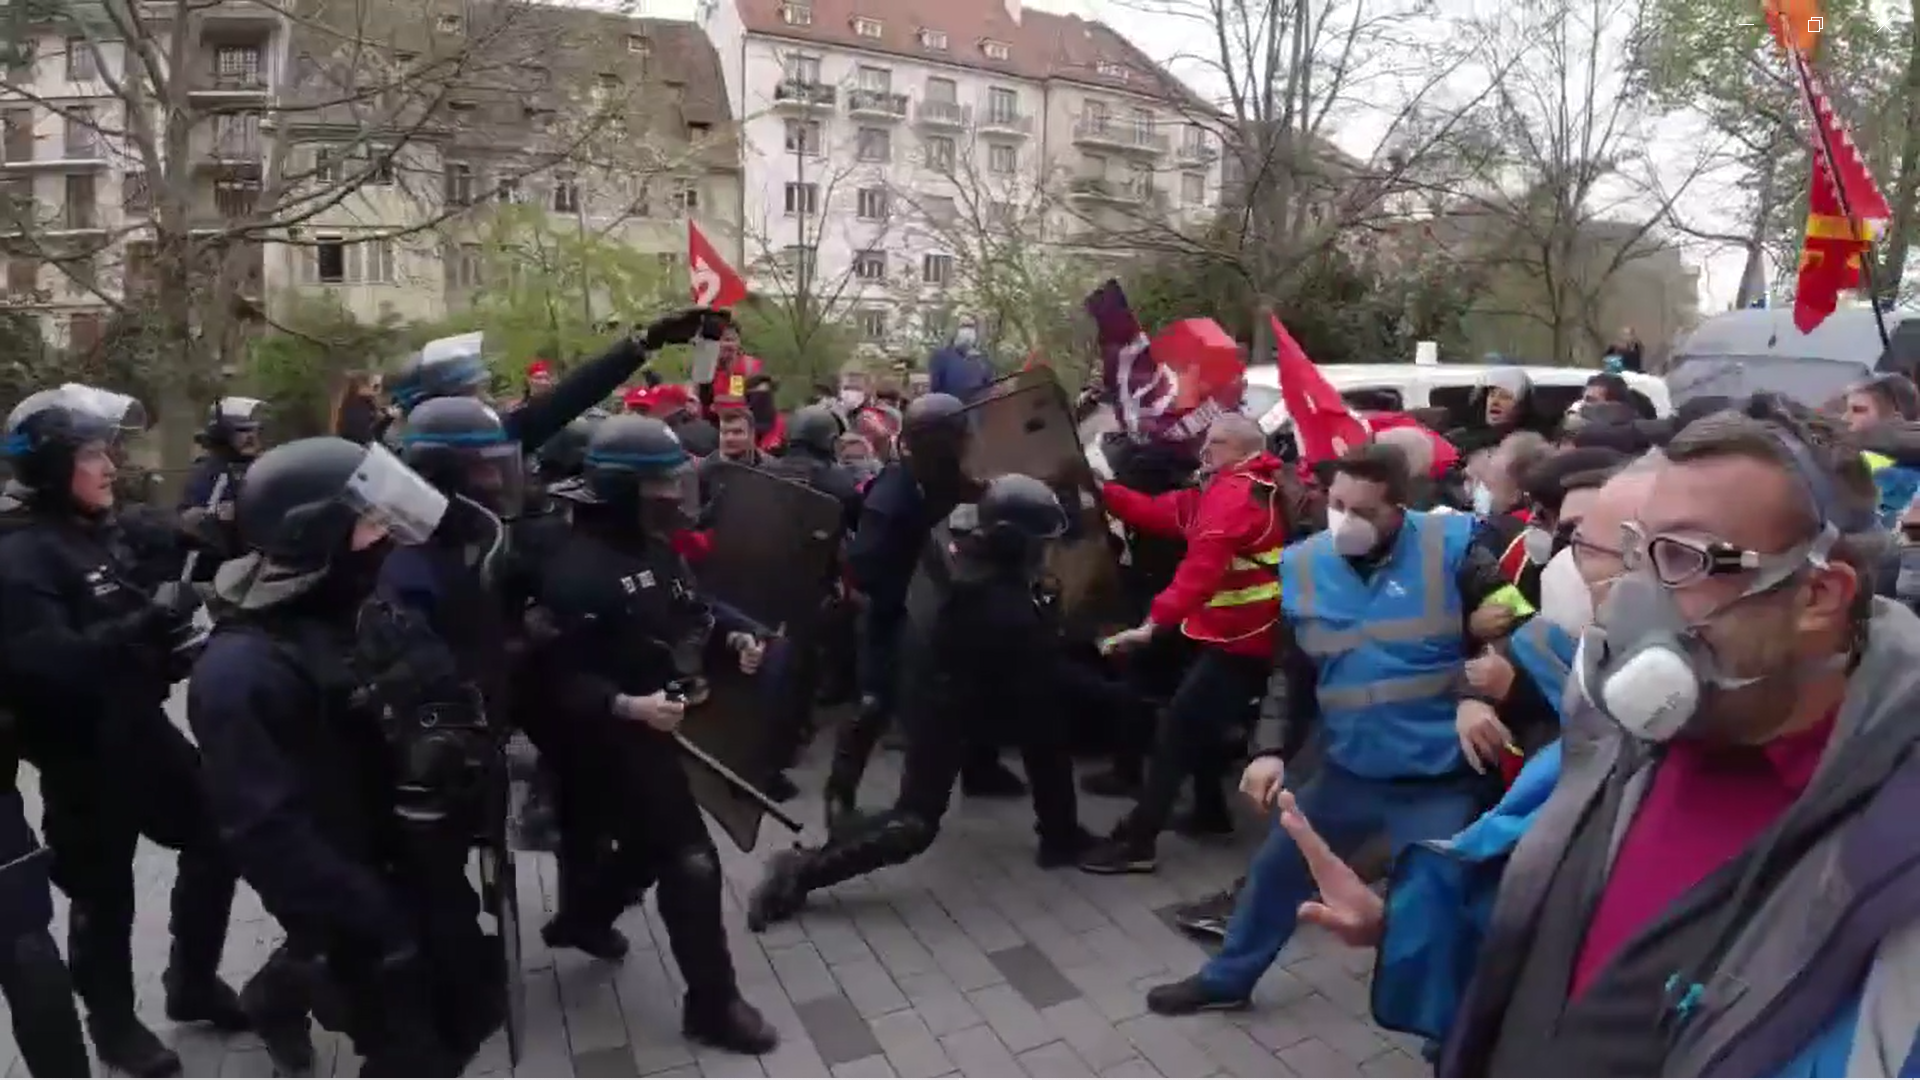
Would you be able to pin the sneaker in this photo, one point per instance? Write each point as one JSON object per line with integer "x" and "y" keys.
{"x": 1208, "y": 917}
{"x": 1119, "y": 855}
{"x": 1190, "y": 996}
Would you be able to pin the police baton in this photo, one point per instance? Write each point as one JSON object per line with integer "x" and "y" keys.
{"x": 737, "y": 782}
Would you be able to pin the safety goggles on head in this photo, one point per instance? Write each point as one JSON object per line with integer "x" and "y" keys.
{"x": 385, "y": 491}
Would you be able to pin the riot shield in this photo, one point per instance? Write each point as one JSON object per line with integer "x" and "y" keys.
{"x": 775, "y": 542}
{"x": 1024, "y": 424}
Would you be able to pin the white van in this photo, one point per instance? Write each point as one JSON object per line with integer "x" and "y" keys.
{"x": 1405, "y": 387}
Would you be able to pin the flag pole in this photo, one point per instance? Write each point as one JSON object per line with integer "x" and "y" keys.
{"x": 1802, "y": 66}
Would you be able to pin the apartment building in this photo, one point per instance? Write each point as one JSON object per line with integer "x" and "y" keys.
{"x": 883, "y": 140}
{"x": 354, "y": 153}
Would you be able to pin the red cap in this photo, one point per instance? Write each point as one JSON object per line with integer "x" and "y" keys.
{"x": 539, "y": 367}
{"x": 668, "y": 397}
{"x": 637, "y": 397}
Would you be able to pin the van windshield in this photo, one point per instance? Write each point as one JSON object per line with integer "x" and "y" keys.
{"x": 1811, "y": 381}
{"x": 1258, "y": 399}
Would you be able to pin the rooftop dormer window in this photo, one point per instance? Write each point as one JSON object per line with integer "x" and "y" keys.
{"x": 996, "y": 50}
{"x": 1109, "y": 69}
{"x": 936, "y": 40}
{"x": 796, "y": 14}
{"x": 865, "y": 27}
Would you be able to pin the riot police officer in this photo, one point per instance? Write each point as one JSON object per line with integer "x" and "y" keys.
{"x": 812, "y": 435}
{"x": 231, "y": 440}
{"x": 89, "y": 661}
{"x": 300, "y": 763}
{"x": 46, "y": 1027}
{"x": 632, "y": 625}
{"x": 981, "y": 641}
{"x": 901, "y": 507}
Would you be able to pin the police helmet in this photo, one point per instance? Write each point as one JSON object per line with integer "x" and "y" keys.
{"x": 564, "y": 455}
{"x": 630, "y": 458}
{"x": 303, "y": 501}
{"x": 1013, "y": 518}
{"x": 231, "y": 417}
{"x": 46, "y": 431}
{"x": 461, "y": 446}
{"x": 815, "y": 428}
{"x": 933, "y": 410}
{"x": 428, "y": 375}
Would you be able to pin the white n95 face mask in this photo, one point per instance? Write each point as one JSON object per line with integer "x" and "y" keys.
{"x": 1538, "y": 544}
{"x": 1565, "y": 600}
{"x": 1352, "y": 536}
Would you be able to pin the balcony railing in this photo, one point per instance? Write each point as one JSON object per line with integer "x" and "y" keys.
{"x": 232, "y": 82}
{"x": 1105, "y": 131}
{"x": 879, "y": 103}
{"x": 1004, "y": 122}
{"x": 1197, "y": 151}
{"x": 1118, "y": 191}
{"x": 805, "y": 94}
{"x": 950, "y": 114}
{"x": 80, "y": 147}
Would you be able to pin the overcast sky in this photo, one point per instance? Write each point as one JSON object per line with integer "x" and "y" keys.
{"x": 1170, "y": 38}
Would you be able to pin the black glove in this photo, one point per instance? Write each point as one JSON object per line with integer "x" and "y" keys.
{"x": 676, "y": 328}
{"x": 176, "y": 601}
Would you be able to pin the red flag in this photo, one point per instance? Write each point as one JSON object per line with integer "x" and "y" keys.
{"x": 715, "y": 284}
{"x": 1324, "y": 426}
{"x": 1796, "y": 24}
{"x": 1205, "y": 361}
{"x": 1839, "y": 231}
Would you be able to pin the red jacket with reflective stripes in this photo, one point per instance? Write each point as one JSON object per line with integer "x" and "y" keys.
{"x": 1226, "y": 591}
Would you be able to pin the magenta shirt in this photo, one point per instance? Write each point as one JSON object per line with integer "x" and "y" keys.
{"x": 1704, "y": 806}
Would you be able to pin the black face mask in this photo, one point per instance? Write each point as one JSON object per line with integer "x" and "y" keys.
{"x": 664, "y": 516}
{"x": 760, "y": 404}
{"x": 351, "y": 577}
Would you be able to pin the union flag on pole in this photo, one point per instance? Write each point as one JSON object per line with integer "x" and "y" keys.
{"x": 715, "y": 284}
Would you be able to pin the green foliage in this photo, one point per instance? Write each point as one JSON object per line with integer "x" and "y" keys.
{"x": 551, "y": 289}
{"x": 798, "y": 352}
{"x": 299, "y": 367}
{"x": 27, "y": 362}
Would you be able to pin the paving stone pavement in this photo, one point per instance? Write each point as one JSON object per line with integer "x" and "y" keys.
{"x": 967, "y": 962}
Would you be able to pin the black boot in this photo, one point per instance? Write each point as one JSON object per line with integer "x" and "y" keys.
{"x": 100, "y": 952}
{"x": 602, "y": 941}
{"x": 277, "y": 1001}
{"x": 202, "y": 905}
{"x": 733, "y": 1026}
{"x": 887, "y": 839}
{"x": 125, "y": 1044}
{"x": 781, "y": 892}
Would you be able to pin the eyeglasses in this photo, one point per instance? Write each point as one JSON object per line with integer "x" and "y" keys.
{"x": 1679, "y": 561}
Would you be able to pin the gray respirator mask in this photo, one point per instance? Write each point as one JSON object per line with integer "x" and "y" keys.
{"x": 1646, "y": 664}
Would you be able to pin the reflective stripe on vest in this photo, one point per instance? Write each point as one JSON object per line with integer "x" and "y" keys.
{"x": 1438, "y": 618}
{"x": 1545, "y": 653}
{"x": 1511, "y": 598}
{"x": 1875, "y": 462}
{"x": 1263, "y": 561}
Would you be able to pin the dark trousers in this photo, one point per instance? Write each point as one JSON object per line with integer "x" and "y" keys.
{"x": 1218, "y": 689}
{"x": 630, "y": 780}
{"x": 39, "y": 992}
{"x": 144, "y": 782}
{"x": 937, "y": 747}
{"x": 879, "y": 670}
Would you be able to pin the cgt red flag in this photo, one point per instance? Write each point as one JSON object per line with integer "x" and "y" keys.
{"x": 1839, "y": 231}
{"x": 1204, "y": 359}
{"x": 715, "y": 284}
{"x": 1324, "y": 426}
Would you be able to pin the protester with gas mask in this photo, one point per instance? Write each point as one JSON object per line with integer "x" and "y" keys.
{"x": 1730, "y": 850}
{"x": 1373, "y": 634}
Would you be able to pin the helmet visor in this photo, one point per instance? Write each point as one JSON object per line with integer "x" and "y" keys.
{"x": 497, "y": 476}
{"x": 112, "y": 409}
{"x": 679, "y": 485}
{"x": 384, "y": 491}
